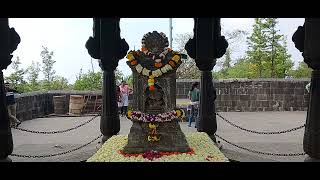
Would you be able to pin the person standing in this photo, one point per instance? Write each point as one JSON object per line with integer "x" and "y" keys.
{"x": 11, "y": 105}
{"x": 119, "y": 98}
{"x": 194, "y": 96}
{"x": 124, "y": 91}
{"x": 308, "y": 87}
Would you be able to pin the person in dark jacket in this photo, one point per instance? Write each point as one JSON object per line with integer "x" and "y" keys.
{"x": 11, "y": 105}
{"x": 194, "y": 96}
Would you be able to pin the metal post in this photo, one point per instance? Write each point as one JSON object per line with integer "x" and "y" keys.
{"x": 9, "y": 41}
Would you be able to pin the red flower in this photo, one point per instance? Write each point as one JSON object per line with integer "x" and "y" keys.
{"x": 151, "y": 88}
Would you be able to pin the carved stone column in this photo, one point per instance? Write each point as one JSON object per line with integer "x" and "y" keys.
{"x": 205, "y": 47}
{"x": 9, "y": 41}
{"x": 107, "y": 46}
{"x": 307, "y": 40}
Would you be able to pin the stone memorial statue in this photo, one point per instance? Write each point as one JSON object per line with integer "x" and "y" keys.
{"x": 154, "y": 116}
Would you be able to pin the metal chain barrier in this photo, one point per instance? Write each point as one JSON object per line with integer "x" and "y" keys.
{"x": 260, "y": 132}
{"x": 259, "y": 152}
{"x": 59, "y": 131}
{"x": 57, "y": 154}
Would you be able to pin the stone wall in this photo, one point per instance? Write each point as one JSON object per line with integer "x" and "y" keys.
{"x": 38, "y": 104}
{"x": 232, "y": 95}
{"x": 255, "y": 94}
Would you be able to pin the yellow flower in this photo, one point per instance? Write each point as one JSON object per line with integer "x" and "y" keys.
{"x": 130, "y": 57}
{"x": 152, "y": 126}
{"x": 176, "y": 58}
{"x": 150, "y": 138}
{"x": 150, "y": 80}
{"x": 204, "y": 151}
{"x": 151, "y": 77}
{"x": 178, "y": 113}
{"x": 129, "y": 113}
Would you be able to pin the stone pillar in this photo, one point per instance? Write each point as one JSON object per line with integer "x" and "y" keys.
{"x": 307, "y": 40}
{"x": 9, "y": 41}
{"x": 110, "y": 121}
{"x": 205, "y": 47}
{"x": 107, "y": 46}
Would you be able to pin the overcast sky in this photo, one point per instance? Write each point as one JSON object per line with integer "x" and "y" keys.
{"x": 67, "y": 38}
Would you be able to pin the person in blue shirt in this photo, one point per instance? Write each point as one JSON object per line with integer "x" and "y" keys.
{"x": 11, "y": 105}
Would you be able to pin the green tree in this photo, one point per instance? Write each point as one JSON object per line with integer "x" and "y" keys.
{"x": 17, "y": 77}
{"x": 129, "y": 80}
{"x": 88, "y": 81}
{"x": 267, "y": 49}
{"x": 226, "y": 64}
{"x": 47, "y": 67}
{"x": 241, "y": 69}
{"x": 188, "y": 68}
{"x": 119, "y": 76}
{"x": 257, "y": 46}
{"x": 33, "y": 78}
{"x": 303, "y": 71}
{"x": 59, "y": 83}
{"x": 283, "y": 62}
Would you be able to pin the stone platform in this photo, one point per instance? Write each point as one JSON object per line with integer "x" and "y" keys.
{"x": 203, "y": 150}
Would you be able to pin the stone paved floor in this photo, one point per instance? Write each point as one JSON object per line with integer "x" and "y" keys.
{"x": 39, "y": 144}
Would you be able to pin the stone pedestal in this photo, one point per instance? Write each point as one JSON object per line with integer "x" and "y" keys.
{"x": 153, "y": 95}
{"x": 172, "y": 138}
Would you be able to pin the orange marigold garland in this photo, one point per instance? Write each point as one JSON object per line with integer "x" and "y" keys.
{"x": 172, "y": 63}
{"x": 161, "y": 68}
{"x": 158, "y": 65}
{"x": 134, "y": 62}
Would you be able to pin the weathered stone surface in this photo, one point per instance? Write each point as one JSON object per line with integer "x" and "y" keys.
{"x": 160, "y": 100}
{"x": 256, "y": 90}
{"x": 38, "y": 104}
{"x": 172, "y": 138}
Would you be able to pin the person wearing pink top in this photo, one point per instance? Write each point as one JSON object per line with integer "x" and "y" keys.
{"x": 125, "y": 91}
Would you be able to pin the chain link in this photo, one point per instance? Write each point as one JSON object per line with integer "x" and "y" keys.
{"x": 259, "y": 132}
{"x": 59, "y": 131}
{"x": 259, "y": 152}
{"x": 57, "y": 154}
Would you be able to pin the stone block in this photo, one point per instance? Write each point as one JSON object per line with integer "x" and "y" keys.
{"x": 244, "y": 97}
{"x": 235, "y": 98}
{"x": 288, "y": 91}
{"x": 281, "y": 84}
{"x": 261, "y": 97}
{"x": 265, "y": 103}
{"x": 235, "y": 85}
{"x": 172, "y": 138}
{"x": 299, "y": 91}
{"x": 267, "y": 91}
{"x": 253, "y": 109}
{"x": 259, "y": 109}
{"x": 266, "y": 85}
